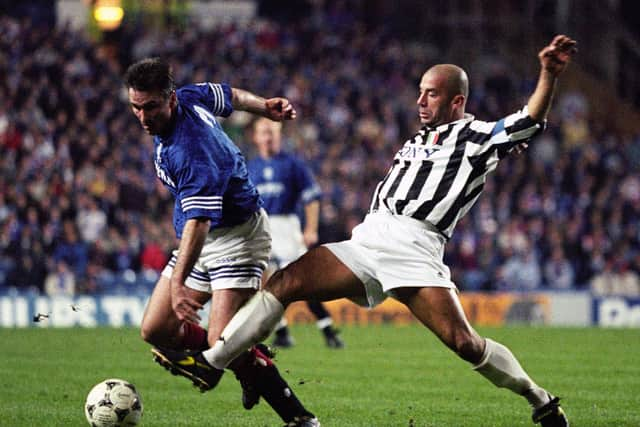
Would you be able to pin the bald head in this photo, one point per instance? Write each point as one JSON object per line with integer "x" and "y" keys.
{"x": 443, "y": 94}
{"x": 457, "y": 82}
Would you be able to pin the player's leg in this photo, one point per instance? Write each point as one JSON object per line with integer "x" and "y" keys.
{"x": 259, "y": 377}
{"x": 171, "y": 336}
{"x": 189, "y": 336}
{"x": 439, "y": 309}
{"x": 317, "y": 275}
{"x": 325, "y": 324}
{"x": 232, "y": 284}
{"x": 224, "y": 305}
{"x": 160, "y": 326}
{"x": 282, "y": 335}
{"x": 254, "y": 369}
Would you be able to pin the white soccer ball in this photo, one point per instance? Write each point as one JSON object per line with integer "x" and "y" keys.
{"x": 113, "y": 403}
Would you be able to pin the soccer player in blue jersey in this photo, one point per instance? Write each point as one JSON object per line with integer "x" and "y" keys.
{"x": 397, "y": 251}
{"x": 223, "y": 231}
{"x": 284, "y": 182}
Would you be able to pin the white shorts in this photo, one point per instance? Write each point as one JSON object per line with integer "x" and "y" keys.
{"x": 287, "y": 243}
{"x": 391, "y": 251}
{"x": 232, "y": 257}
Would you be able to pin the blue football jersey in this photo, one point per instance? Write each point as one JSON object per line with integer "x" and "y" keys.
{"x": 283, "y": 181}
{"x": 200, "y": 165}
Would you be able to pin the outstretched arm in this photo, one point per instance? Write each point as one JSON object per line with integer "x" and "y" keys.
{"x": 277, "y": 109}
{"x": 553, "y": 61}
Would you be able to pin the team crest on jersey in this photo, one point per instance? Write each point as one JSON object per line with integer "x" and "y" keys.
{"x": 432, "y": 138}
{"x": 267, "y": 173}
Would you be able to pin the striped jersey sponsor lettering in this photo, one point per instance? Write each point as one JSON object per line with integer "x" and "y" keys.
{"x": 438, "y": 174}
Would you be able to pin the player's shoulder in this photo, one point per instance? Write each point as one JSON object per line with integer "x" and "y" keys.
{"x": 190, "y": 91}
{"x": 200, "y": 88}
{"x": 481, "y": 126}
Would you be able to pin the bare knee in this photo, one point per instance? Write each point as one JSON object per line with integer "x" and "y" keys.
{"x": 157, "y": 335}
{"x": 284, "y": 286}
{"x": 148, "y": 333}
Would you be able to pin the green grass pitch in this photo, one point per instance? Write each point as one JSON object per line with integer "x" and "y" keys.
{"x": 386, "y": 376}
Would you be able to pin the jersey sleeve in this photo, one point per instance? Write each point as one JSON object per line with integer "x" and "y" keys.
{"x": 200, "y": 188}
{"x": 216, "y": 97}
{"x": 309, "y": 189}
{"x": 516, "y": 128}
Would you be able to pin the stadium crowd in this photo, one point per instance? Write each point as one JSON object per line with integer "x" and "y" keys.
{"x": 81, "y": 210}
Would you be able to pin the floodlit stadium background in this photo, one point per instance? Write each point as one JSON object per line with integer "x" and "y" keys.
{"x": 555, "y": 239}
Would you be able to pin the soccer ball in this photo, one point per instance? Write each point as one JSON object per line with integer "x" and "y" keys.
{"x": 113, "y": 403}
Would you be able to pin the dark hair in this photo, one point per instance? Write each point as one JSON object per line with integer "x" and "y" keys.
{"x": 150, "y": 75}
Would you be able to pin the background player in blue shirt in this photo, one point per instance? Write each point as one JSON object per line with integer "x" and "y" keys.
{"x": 284, "y": 183}
{"x": 223, "y": 231}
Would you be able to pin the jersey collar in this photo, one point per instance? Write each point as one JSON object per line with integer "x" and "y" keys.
{"x": 441, "y": 128}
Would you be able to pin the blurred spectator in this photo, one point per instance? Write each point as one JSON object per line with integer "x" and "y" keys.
{"x": 71, "y": 250}
{"x": 91, "y": 221}
{"x": 558, "y": 272}
{"x": 153, "y": 256}
{"x": 521, "y": 271}
{"x": 70, "y": 152}
{"x": 616, "y": 279}
{"x": 61, "y": 281}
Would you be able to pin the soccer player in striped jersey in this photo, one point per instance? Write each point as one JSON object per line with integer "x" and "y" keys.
{"x": 223, "y": 231}
{"x": 284, "y": 182}
{"x": 398, "y": 249}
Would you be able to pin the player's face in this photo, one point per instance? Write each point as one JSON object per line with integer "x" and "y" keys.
{"x": 435, "y": 103}
{"x": 152, "y": 109}
{"x": 267, "y": 137}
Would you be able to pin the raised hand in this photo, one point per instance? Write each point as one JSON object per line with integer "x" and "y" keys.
{"x": 555, "y": 57}
{"x": 280, "y": 109}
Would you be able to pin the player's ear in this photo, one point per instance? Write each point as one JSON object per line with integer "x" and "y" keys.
{"x": 458, "y": 100}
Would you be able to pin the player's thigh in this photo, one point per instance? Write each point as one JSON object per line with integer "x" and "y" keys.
{"x": 159, "y": 316}
{"x": 224, "y": 305}
{"x": 317, "y": 275}
{"x": 439, "y": 309}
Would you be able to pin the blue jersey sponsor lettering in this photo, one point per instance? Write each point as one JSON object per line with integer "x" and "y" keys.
{"x": 283, "y": 181}
{"x": 200, "y": 165}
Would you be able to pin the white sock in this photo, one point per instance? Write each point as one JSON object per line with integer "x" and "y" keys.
{"x": 501, "y": 367}
{"x": 251, "y": 324}
{"x": 282, "y": 323}
{"x": 323, "y": 323}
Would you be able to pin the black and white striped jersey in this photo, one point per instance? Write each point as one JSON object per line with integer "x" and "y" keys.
{"x": 439, "y": 173}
